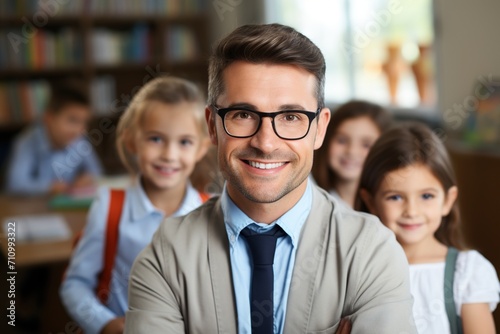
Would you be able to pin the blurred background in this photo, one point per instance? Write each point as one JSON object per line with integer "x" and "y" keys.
{"x": 433, "y": 61}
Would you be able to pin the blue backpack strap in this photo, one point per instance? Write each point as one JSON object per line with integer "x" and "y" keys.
{"x": 449, "y": 299}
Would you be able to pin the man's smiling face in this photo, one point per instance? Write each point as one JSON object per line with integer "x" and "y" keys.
{"x": 265, "y": 168}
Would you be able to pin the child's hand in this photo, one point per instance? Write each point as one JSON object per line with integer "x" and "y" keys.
{"x": 84, "y": 180}
{"x": 58, "y": 187}
{"x": 115, "y": 326}
{"x": 345, "y": 326}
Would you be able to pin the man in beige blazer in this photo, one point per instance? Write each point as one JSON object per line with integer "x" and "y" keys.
{"x": 266, "y": 114}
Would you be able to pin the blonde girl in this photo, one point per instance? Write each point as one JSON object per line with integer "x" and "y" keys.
{"x": 352, "y": 130}
{"x": 160, "y": 138}
{"x": 409, "y": 183}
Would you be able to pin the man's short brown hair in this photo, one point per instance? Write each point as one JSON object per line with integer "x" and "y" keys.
{"x": 261, "y": 44}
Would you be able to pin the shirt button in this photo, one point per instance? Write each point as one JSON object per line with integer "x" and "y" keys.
{"x": 232, "y": 238}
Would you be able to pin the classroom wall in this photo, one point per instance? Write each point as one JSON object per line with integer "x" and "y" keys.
{"x": 468, "y": 49}
{"x": 467, "y": 42}
{"x": 466, "y": 37}
{"x": 228, "y": 15}
{"x": 479, "y": 196}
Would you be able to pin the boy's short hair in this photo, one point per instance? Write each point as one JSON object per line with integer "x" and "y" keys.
{"x": 66, "y": 92}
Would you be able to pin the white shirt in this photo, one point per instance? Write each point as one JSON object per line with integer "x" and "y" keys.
{"x": 475, "y": 282}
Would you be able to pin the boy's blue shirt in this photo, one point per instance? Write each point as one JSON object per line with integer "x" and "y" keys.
{"x": 138, "y": 222}
{"x": 34, "y": 166}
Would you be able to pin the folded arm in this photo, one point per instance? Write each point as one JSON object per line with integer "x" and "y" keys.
{"x": 382, "y": 302}
{"x": 153, "y": 306}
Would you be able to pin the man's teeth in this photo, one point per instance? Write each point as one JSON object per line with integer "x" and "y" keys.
{"x": 265, "y": 166}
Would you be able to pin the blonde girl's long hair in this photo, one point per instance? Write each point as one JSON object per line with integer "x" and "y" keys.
{"x": 165, "y": 89}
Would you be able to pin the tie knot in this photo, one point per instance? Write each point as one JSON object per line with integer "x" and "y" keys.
{"x": 262, "y": 245}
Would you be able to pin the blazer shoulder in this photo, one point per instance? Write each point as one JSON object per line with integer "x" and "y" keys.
{"x": 349, "y": 223}
{"x": 194, "y": 224}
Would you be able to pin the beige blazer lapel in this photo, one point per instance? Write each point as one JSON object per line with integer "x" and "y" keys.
{"x": 309, "y": 253}
{"x": 220, "y": 272}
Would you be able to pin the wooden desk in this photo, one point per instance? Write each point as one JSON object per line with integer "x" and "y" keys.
{"x": 52, "y": 255}
{"x": 39, "y": 252}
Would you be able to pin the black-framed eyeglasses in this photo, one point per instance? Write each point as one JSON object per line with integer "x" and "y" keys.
{"x": 287, "y": 124}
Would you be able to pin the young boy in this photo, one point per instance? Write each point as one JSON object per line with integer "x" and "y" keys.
{"x": 52, "y": 155}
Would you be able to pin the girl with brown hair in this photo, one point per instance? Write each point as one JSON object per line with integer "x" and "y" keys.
{"x": 352, "y": 130}
{"x": 409, "y": 183}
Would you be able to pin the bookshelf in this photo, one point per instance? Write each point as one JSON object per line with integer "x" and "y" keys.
{"x": 114, "y": 47}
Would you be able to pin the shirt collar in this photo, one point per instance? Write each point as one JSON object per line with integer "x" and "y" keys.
{"x": 143, "y": 207}
{"x": 191, "y": 201}
{"x": 291, "y": 222}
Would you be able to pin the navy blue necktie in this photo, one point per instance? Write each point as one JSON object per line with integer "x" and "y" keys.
{"x": 262, "y": 247}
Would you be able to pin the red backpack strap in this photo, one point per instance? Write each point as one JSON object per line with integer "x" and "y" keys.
{"x": 204, "y": 197}
{"x": 110, "y": 243}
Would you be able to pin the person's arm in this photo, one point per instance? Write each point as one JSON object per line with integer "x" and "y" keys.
{"x": 22, "y": 162}
{"x": 477, "y": 291}
{"x": 153, "y": 307}
{"x": 115, "y": 326}
{"x": 89, "y": 170}
{"x": 91, "y": 164}
{"x": 78, "y": 288}
{"x": 379, "y": 284}
{"x": 83, "y": 180}
{"x": 477, "y": 318}
{"x": 345, "y": 327}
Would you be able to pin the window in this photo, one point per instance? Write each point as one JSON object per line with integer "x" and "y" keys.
{"x": 374, "y": 50}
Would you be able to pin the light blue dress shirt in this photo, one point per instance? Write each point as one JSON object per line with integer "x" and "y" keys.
{"x": 138, "y": 223}
{"x": 284, "y": 259}
{"x": 34, "y": 165}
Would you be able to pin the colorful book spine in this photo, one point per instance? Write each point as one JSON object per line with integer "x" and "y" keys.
{"x": 22, "y": 101}
{"x": 181, "y": 44}
{"x": 45, "y": 49}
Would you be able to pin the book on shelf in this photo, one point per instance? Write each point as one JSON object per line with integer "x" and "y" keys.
{"x": 101, "y": 7}
{"x": 148, "y": 7}
{"x": 4, "y": 106}
{"x": 181, "y": 44}
{"x": 45, "y": 49}
{"x": 114, "y": 47}
{"x": 50, "y": 8}
{"x": 103, "y": 94}
{"x": 22, "y": 101}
